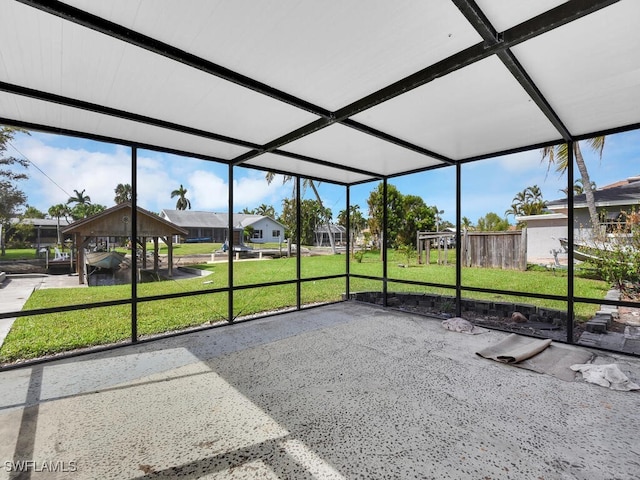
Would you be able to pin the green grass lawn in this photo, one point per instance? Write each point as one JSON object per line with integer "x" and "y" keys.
{"x": 19, "y": 254}
{"x": 47, "y": 334}
{"x": 201, "y": 248}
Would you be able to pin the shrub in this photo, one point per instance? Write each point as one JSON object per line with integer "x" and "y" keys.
{"x": 618, "y": 257}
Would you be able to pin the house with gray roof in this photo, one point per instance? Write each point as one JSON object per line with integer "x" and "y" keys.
{"x": 544, "y": 231}
{"x": 611, "y": 201}
{"x": 214, "y": 227}
{"x": 44, "y": 231}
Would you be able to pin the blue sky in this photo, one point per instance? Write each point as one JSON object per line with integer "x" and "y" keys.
{"x": 68, "y": 163}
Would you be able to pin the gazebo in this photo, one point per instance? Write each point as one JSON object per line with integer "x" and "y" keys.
{"x": 116, "y": 222}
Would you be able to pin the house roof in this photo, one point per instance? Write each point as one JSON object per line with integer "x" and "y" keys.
{"x": 116, "y": 221}
{"x": 193, "y": 218}
{"x": 621, "y": 193}
{"x": 42, "y": 222}
{"x": 335, "y": 228}
{"x": 339, "y": 91}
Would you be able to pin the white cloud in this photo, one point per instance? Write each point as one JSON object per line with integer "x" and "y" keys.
{"x": 207, "y": 191}
{"x": 60, "y": 171}
{"x": 63, "y": 169}
{"x": 253, "y": 190}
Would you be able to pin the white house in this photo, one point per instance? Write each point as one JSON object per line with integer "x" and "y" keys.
{"x": 263, "y": 229}
{"x": 213, "y": 227}
{"x": 544, "y": 231}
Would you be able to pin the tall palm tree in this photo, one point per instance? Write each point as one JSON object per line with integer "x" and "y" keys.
{"x": 124, "y": 193}
{"x": 183, "y": 202}
{"x": 305, "y": 184}
{"x": 57, "y": 211}
{"x": 357, "y": 223}
{"x": 559, "y": 156}
{"x": 437, "y": 217}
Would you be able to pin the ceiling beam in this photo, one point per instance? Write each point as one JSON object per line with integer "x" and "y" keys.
{"x": 324, "y": 163}
{"x": 395, "y": 140}
{"x": 545, "y": 22}
{"x": 113, "y": 112}
{"x": 476, "y": 17}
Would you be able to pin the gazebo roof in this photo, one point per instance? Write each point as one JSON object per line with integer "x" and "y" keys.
{"x": 116, "y": 221}
{"x": 338, "y": 91}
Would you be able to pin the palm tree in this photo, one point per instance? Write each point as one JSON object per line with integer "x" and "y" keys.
{"x": 305, "y": 184}
{"x": 534, "y": 204}
{"x": 57, "y": 211}
{"x": 527, "y": 202}
{"x": 559, "y": 156}
{"x": 578, "y": 189}
{"x": 514, "y": 210}
{"x": 357, "y": 223}
{"x": 80, "y": 198}
{"x": 466, "y": 223}
{"x": 183, "y": 202}
{"x": 82, "y": 202}
{"x": 265, "y": 211}
{"x": 437, "y": 217}
{"x": 124, "y": 193}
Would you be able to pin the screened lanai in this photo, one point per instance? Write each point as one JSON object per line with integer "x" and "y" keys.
{"x": 278, "y": 368}
{"x": 353, "y": 94}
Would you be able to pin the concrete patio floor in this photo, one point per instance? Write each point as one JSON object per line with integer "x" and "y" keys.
{"x": 341, "y": 391}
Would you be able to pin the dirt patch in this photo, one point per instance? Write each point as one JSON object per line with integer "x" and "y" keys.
{"x": 626, "y": 316}
{"x": 23, "y": 266}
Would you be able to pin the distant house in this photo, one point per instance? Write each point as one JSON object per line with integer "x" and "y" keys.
{"x": 611, "y": 201}
{"x": 322, "y": 235}
{"x": 213, "y": 227}
{"x": 544, "y": 231}
{"x": 45, "y": 230}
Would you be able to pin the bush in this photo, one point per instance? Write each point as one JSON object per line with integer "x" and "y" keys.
{"x": 407, "y": 251}
{"x": 618, "y": 256}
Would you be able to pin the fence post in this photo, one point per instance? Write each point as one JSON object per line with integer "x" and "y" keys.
{"x": 523, "y": 249}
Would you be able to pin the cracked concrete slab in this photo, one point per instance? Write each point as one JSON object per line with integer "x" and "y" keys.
{"x": 340, "y": 391}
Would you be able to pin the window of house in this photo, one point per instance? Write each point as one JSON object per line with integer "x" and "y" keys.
{"x": 257, "y": 234}
{"x": 275, "y": 234}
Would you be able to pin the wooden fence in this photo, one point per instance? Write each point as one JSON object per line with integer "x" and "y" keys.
{"x": 506, "y": 250}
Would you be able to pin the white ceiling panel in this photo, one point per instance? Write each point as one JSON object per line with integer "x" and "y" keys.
{"x": 589, "y": 70}
{"x": 306, "y": 169}
{"x": 346, "y": 146}
{"x": 69, "y": 60}
{"x": 90, "y": 123}
{"x": 472, "y": 111}
{"x": 305, "y": 48}
{"x": 504, "y": 14}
